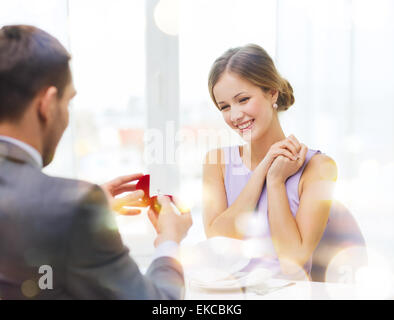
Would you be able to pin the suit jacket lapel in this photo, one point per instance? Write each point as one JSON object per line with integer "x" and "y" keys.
{"x": 14, "y": 153}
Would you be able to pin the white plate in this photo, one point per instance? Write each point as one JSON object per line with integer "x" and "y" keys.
{"x": 213, "y": 259}
{"x": 237, "y": 281}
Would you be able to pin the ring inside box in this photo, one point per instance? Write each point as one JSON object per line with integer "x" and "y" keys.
{"x": 144, "y": 185}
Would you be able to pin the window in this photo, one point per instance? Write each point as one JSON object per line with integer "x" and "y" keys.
{"x": 208, "y": 29}
{"x": 335, "y": 54}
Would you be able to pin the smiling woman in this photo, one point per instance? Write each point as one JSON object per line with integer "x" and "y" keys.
{"x": 259, "y": 71}
{"x": 273, "y": 177}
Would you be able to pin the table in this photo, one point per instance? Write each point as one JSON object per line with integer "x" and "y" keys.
{"x": 300, "y": 290}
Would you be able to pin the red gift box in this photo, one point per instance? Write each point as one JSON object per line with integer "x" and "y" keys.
{"x": 144, "y": 185}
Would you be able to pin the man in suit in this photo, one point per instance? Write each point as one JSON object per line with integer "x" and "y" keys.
{"x": 58, "y": 237}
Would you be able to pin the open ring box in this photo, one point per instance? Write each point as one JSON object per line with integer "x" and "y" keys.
{"x": 144, "y": 185}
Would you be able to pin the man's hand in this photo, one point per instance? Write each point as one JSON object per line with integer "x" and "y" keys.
{"x": 119, "y": 186}
{"x": 168, "y": 224}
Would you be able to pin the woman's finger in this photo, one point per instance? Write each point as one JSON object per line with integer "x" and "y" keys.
{"x": 284, "y": 152}
{"x": 303, "y": 153}
{"x": 286, "y": 144}
{"x": 295, "y": 142}
{"x": 290, "y": 146}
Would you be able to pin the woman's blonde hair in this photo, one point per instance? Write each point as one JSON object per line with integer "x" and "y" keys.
{"x": 252, "y": 63}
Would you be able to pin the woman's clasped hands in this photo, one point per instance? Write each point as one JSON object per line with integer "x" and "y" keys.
{"x": 284, "y": 159}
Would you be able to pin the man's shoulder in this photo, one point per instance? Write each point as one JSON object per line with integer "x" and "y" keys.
{"x": 43, "y": 192}
{"x": 66, "y": 183}
{"x": 72, "y": 190}
{"x": 68, "y": 200}
{"x": 57, "y": 192}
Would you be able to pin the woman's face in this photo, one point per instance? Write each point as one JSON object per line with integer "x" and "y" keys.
{"x": 246, "y": 108}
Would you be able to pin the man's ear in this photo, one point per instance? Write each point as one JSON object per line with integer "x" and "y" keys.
{"x": 47, "y": 101}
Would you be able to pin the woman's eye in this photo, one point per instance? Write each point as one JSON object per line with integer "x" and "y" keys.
{"x": 244, "y": 100}
{"x": 224, "y": 107}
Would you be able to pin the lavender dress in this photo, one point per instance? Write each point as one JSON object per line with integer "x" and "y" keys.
{"x": 236, "y": 178}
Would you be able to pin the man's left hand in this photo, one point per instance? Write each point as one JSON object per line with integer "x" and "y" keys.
{"x": 119, "y": 186}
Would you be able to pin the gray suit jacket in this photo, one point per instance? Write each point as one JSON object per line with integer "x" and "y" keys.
{"x": 67, "y": 225}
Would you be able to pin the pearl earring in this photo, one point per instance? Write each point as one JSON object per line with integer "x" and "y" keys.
{"x": 275, "y": 106}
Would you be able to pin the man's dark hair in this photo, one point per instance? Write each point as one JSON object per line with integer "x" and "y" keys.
{"x": 30, "y": 60}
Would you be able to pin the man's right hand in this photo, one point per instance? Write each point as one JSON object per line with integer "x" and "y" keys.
{"x": 169, "y": 225}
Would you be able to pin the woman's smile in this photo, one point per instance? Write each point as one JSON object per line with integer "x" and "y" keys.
{"x": 245, "y": 126}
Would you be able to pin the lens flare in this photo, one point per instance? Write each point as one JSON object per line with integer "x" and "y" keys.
{"x": 375, "y": 281}
{"x": 187, "y": 198}
{"x": 371, "y": 280}
{"x": 166, "y": 16}
{"x": 213, "y": 259}
{"x": 292, "y": 270}
{"x": 30, "y": 288}
{"x": 222, "y": 245}
{"x": 132, "y": 225}
{"x": 250, "y": 225}
{"x": 369, "y": 168}
{"x": 342, "y": 267}
{"x": 253, "y": 248}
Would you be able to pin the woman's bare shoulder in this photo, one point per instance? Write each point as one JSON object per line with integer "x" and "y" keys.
{"x": 320, "y": 167}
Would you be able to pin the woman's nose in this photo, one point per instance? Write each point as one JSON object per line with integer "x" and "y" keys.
{"x": 236, "y": 115}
